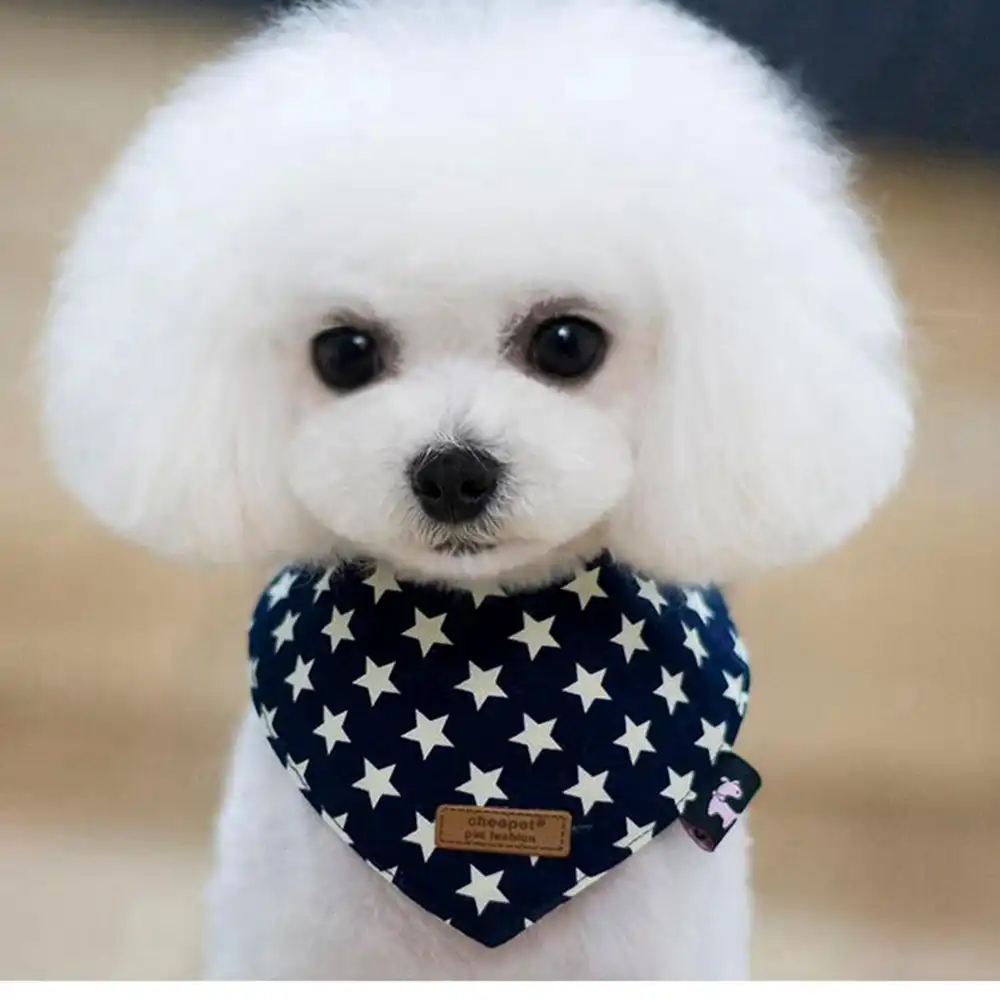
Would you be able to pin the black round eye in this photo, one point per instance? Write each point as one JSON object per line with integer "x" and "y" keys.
{"x": 567, "y": 347}
{"x": 346, "y": 357}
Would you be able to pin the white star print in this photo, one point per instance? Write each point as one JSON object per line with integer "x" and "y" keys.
{"x": 536, "y": 736}
{"x": 381, "y": 581}
{"x": 281, "y": 588}
{"x": 630, "y": 637}
{"x": 322, "y": 585}
{"x": 377, "y": 680}
{"x": 692, "y": 640}
{"x": 735, "y": 691}
{"x": 332, "y": 729}
{"x": 298, "y": 679}
{"x": 482, "y": 785}
{"x": 429, "y": 733}
{"x": 582, "y": 882}
{"x": 427, "y": 631}
{"x": 336, "y": 823}
{"x": 672, "y": 689}
{"x": 695, "y": 601}
{"x": 480, "y": 591}
{"x": 285, "y": 632}
{"x": 422, "y": 836}
{"x": 588, "y": 687}
{"x": 482, "y": 684}
{"x": 585, "y": 586}
{"x": 377, "y": 782}
{"x": 649, "y": 591}
{"x": 679, "y": 788}
{"x": 298, "y": 772}
{"x": 635, "y": 740}
{"x": 389, "y": 874}
{"x": 267, "y": 717}
{"x": 252, "y": 667}
{"x": 589, "y": 788}
{"x": 339, "y": 628}
{"x": 739, "y": 649}
{"x": 535, "y": 634}
{"x": 483, "y": 889}
{"x": 635, "y": 836}
{"x": 712, "y": 739}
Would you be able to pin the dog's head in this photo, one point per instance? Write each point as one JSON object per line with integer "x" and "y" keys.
{"x": 473, "y": 288}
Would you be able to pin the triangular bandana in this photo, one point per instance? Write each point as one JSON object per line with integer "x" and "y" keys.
{"x": 581, "y": 718}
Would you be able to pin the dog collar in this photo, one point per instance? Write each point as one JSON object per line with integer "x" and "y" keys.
{"x": 493, "y": 755}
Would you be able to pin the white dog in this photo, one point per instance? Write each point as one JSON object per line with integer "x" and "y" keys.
{"x": 480, "y": 290}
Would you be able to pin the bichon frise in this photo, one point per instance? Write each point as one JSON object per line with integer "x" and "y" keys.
{"x": 481, "y": 317}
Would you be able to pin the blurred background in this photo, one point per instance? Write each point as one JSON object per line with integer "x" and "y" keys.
{"x": 877, "y": 689}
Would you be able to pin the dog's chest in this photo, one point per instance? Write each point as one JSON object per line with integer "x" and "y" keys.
{"x": 495, "y": 755}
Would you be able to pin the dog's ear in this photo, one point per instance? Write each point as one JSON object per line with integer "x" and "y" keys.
{"x": 783, "y": 411}
{"x": 165, "y": 403}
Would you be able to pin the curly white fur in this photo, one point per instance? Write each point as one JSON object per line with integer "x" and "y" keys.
{"x": 443, "y": 166}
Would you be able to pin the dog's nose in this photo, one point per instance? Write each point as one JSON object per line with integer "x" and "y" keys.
{"x": 455, "y": 484}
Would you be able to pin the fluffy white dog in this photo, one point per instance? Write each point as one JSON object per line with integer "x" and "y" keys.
{"x": 480, "y": 290}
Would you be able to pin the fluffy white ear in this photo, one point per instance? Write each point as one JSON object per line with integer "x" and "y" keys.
{"x": 165, "y": 406}
{"x": 784, "y": 413}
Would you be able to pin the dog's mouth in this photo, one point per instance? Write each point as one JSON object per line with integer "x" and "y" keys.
{"x": 463, "y": 547}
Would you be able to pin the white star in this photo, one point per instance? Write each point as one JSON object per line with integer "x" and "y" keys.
{"x": 630, "y": 637}
{"x": 480, "y": 591}
{"x": 298, "y": 679}
{"x": 482, "y": 785}
{"x": 285, "y": 632}
{"x": 298, "y": 772}
{"x": 588, "y": 687}
{"x": 332, "y": 729}
{"x": 482, "y": 684}
{"x": 635, "y": 740}
{"x": 649, "y": 591}
{"x": 389, "y": 874}
{"x": 582, "y": 882}
{"x": 281, "y": 588}
{"x": 429, "y": 733}
{"x": 635, "y": 836}
{"x": 252, "y": 667}
{"x": 339, "y": 628}
{"x": 535, "y": 634}
{"x": 672, "y": 689}
{"x": 427, "y": 631}
{"x": 377, "y": 679}
{"x": 695, "y": 600}
{"x": 735, "y": 691}
{"x": 422, "y": 836}
{"x": 336, "y": 823}
{"x": 679, "y": 788}
{"x": 585, "y": 586}
{"x": 589, "y": 788}
{"x": 322, "y": 585}
{"x": 381, "y": 580}
{"x": 692, "y": 639}
{"x": 377, "y": 782}
{"x": 533, "y": 858}
{"x": 483, "y": 889}
{"x": 267, "y": 717}
{"x": 536, "y": 736}
{"x": 739, "y": 649}
{"x": 712, "y": 739}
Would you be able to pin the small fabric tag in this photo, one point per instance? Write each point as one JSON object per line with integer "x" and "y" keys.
{"x": 543, "y": 833}
{"x": 720, "y": 801}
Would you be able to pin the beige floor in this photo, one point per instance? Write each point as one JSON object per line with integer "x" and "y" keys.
{"x": 879, "y": 829}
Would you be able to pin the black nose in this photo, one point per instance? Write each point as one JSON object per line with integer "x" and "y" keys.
{"x": 455, "y": 484}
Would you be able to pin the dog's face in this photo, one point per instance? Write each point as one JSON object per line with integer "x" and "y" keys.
{"x": 477, "y": 289}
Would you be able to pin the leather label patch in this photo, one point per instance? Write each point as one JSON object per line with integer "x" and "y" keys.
{"x": 489, "y": 830}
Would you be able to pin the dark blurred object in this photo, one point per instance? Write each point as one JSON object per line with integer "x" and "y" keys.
{"x": 927, "y": 70}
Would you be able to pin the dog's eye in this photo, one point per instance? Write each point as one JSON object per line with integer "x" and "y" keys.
{"x": 567, "y": 347}
{"x": 346, "y": 357}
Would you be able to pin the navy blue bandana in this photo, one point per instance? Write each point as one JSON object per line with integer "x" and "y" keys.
{"x": 606, "y": 698}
